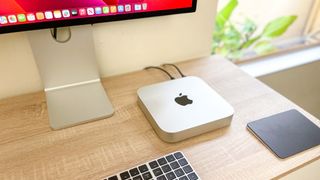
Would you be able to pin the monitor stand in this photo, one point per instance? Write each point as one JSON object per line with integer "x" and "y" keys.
{"x": 70, "y": 76}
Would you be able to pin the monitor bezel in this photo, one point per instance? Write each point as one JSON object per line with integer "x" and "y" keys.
{"x": 94, "y": 20}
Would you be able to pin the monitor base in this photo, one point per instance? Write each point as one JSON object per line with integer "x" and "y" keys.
{"x": 70, "y": 77}
{"x": 76, "y": 105}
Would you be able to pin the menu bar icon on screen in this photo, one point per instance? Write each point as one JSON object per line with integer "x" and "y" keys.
{"x": 12, "y": 19}
{"x": 3, "y": 20}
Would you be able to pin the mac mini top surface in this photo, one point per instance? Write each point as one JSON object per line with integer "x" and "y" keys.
{"x": 182, "y": 108}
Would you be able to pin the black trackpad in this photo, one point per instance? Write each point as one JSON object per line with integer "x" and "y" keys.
{"x": 286, "y": 133}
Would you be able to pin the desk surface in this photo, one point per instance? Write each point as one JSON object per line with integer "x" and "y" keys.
{"x": 29, "y": 149}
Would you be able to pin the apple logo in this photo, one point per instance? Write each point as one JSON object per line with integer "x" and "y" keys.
{"x": 183, "y": 100}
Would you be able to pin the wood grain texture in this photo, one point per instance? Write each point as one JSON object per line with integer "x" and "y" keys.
{"x": 29, "y": 149}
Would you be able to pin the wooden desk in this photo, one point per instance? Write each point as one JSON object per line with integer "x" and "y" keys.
{"x": 29, "y": 149}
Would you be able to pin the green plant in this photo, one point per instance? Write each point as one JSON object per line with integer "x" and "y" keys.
{"x": 230, "y": 39}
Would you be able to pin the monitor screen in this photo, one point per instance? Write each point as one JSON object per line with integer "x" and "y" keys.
{"x": 20, "y": 15}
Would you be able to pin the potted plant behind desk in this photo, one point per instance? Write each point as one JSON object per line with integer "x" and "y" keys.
{"x": 235, "y": 41}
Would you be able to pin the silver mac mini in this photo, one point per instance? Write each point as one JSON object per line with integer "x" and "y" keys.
{"x": 183, "y": 108}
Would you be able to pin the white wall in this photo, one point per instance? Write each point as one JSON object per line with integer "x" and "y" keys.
{"x": 263, "y": 11}
{"x": 120, "y": 46}
{"x": 316, "y": 25}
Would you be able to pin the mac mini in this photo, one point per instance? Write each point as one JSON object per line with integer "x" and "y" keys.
{"x": 183, "y": 108}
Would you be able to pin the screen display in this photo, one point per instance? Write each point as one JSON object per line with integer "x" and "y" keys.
{"x": 17, "y": 15}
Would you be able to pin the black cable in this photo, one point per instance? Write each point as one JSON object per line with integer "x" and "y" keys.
{"x": 161, "y": 69}
{"x": 176, "y": 67}
{"x": 54, "y": 34}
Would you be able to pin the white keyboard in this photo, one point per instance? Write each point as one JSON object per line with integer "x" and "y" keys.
{"x": 174, "y": 166}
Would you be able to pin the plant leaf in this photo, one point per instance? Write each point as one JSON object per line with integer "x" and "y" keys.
{"x": 232, "y": 38}
{"x": 222, "y": 51}
{"x": 278, "y": 26}
{"x": 235, "y": 55}
{"x": 264, "y": 47}
{"x": 224, "y": 15}
{"x": 250, "y": 42}
{"x": 249, "y": 27}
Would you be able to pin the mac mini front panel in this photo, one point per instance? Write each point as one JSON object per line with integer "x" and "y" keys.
{"x": 182, "y": 108}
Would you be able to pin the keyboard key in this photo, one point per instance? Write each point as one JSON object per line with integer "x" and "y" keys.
{"x": 174, "y": 165}
{"x": 183, "y": 162}
{"x": 162, "y": 161}
{"x": 179, "y": 172}
{"x": 170, "y": 158}
{"x": 187, "y": 169}
{"x": 178, "y": 155}
{"x": 170, "y": 176}
{"x": 183, "y": 178}
{"x": 113, "y": 178}
{"x": 153, "y": 164}
{"x": 143, "y": 168}
{"x": 193, "y": 176}
{"x": 162, "y": 178}
{"x": 157, "y": 172}
{"x": 125, "y": 175}
{"x": 137, "y": 178}
{"x": 134, "y": 172}
{"x": 166, "y": 168}
{"x": 147, "y": 176}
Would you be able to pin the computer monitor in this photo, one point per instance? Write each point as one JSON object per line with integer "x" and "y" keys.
{"x": 64, "y": 51}
{"x": 21, "y": 15}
